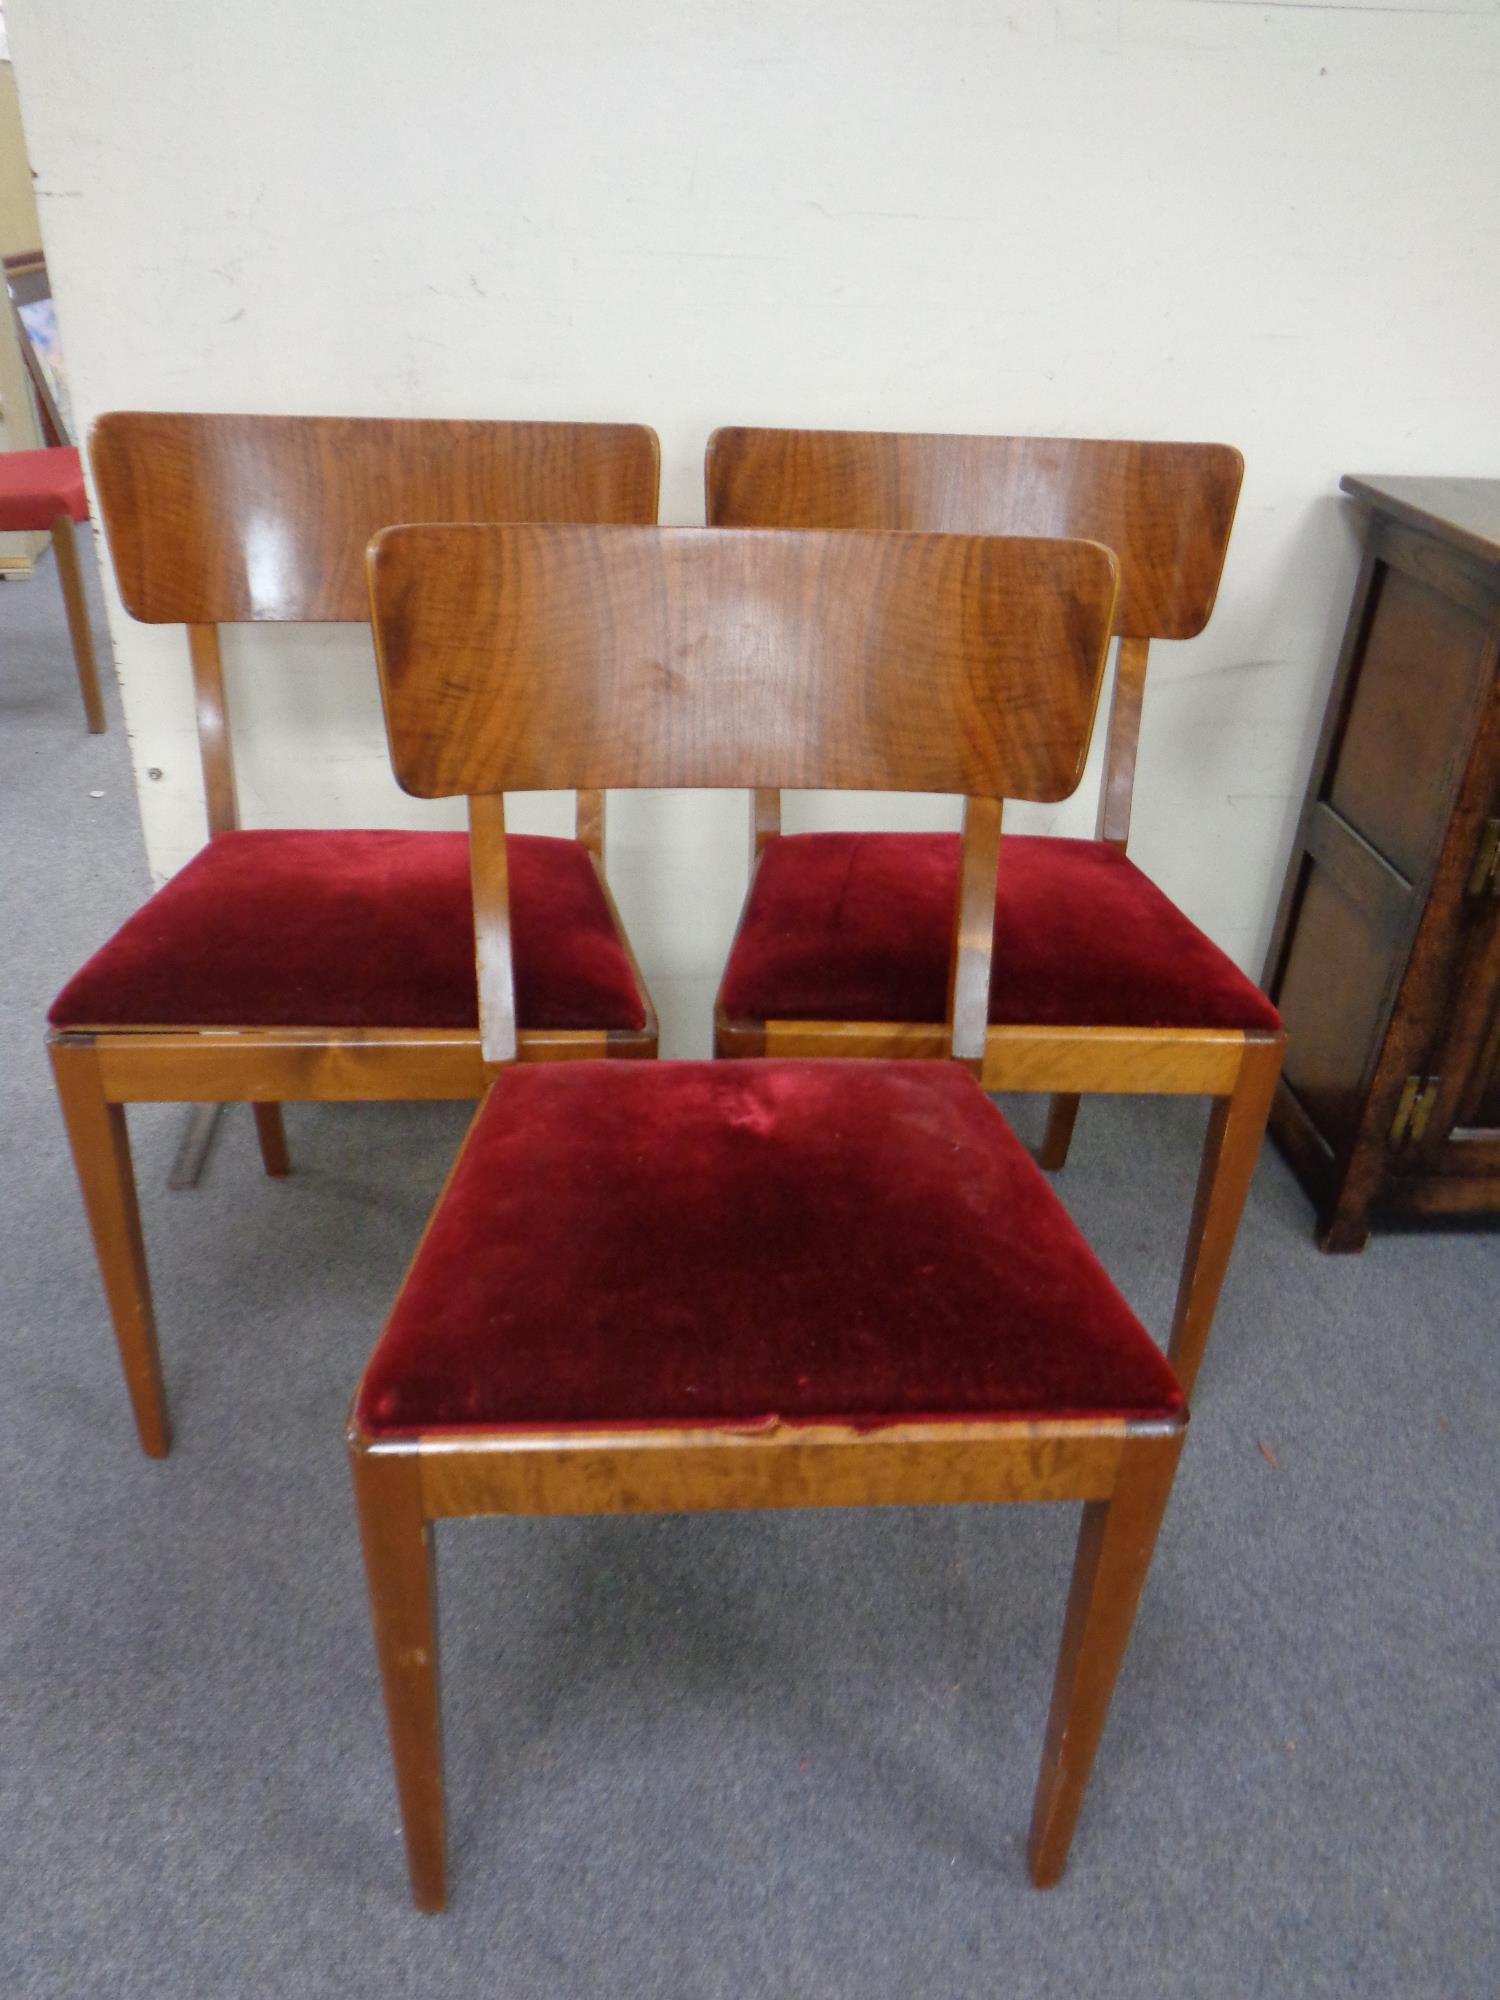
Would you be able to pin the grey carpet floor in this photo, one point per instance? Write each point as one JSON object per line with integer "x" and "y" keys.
{"x": 723, "y": 1756}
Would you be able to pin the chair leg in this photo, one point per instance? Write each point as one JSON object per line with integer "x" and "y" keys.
{"x": 199, "y": 1132}
{"x": 101, "y": 1159}
{"x": 400, "y": 1567}
{"x": 270, "y": 1130}
{"x": 1114, "y": 1552}
{"x": 1062, "y": 1115}
{"x": 76, "y": 605}
{"x": 1236, "y": 1127}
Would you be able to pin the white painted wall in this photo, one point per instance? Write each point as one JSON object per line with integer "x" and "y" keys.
{"x": 1268, "y": 221}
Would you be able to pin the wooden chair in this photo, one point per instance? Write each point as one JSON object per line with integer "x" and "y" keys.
{"x": 320, "y": 965}
{"x": 1100, "y": 982}
{"x": 737, "y": 1285}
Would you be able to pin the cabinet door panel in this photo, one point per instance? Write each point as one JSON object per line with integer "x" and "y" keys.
{"x": 1462, "y": 1136}
{"x": 1407, "y": 731}
{"x": 1333, "y": 998}
{"x": 1484, "y": 1110}
{"x": 1385, "y": 959}
{"x": 1473, "y": 1041}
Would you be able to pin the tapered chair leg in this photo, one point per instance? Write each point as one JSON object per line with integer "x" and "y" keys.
{"x": 1114, "y": 1553}
{"x": 76, "y": 605}
{"x": 101, "y": 1158}
{"x": 1236, "y": 1127}
{"x": 1062, "y": 1115}
{"x": 400, "y": 1568}
{"x": 270, "y": 1130}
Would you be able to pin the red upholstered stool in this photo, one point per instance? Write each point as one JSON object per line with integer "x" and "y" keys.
{"x": 44, "y": 490}
{"x": 1100, "y": 983}
{"x": 676, "y": 1286}
{"x": 320, "y": 965}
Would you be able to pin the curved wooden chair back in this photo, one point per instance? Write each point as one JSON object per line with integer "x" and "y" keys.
{"x": 518, "y": 658}
{"x": 247, "y": 519}
{"x": 1165, "y": 509}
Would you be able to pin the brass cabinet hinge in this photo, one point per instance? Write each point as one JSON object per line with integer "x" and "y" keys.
{"x": 1418, "y": 1096}
{"x": 1484, "y": 876}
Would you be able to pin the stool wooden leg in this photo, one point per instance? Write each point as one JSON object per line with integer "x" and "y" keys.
{"x": 101, "y": 1158}
{"x": 399, "y": 1565}
{"x": 270, "y": 1130}
{"x": 76, "y": 605}
{"x": 1236, "y": 1127}
{"x": 1062, "y": 1115}
{"x": 1114, "y": 1553}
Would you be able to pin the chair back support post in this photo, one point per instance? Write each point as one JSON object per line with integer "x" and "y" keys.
{"x": 1166, "y": 509}
{"x": 489, "y": 873}
{"x": 765, "y": 820}
{"x": 527, "y": 657}
{"x": 974, "y": 931}
{"x": 214, "y": 746}
{"x": 1117, "y": 786}
{"x": 590, "y": 822}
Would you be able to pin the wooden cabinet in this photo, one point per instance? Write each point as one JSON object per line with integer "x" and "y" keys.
{"x": 1385, "y": 961}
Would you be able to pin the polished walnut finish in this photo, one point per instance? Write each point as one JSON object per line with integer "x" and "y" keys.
{"x": 227, "y": 520}
{"x": 1386, "y": 956}
{"x": 267, "y": 518}
{"x": 221, "y": 519}
{"x": 1166, "y": 510}
{"x": 462, "y": 614}
{"x": 686, "y": 656}
{"x": 694, "y": 656}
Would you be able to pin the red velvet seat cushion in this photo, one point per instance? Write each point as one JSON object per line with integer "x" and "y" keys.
{"x": 351, "y": 930}
{"x": 859, "y": 926}
{"x": 731, "y": 1243}
{"x": 37, "y": 486}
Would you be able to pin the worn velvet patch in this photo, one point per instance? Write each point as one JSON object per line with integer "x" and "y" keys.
{"x": 859, "y": 927}
{"x": 736, "y": 1243}
{"x": 356, "y": 929}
